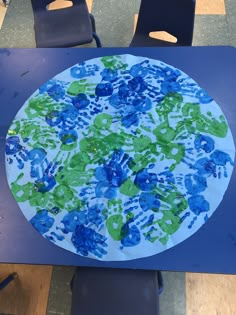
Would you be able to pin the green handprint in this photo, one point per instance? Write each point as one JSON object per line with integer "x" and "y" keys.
{"x": 81, "y": 86}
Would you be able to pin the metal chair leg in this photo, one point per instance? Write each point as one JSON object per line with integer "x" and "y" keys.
{"x": 93, "y": 23}
{"x": 97, "y": 39}
{"x": 6, "y": 281}
{"x": 160, "y": 282}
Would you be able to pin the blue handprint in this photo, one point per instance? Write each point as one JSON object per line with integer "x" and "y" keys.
{"x": 112, "y": 175}
{"x": 86, "y": 241}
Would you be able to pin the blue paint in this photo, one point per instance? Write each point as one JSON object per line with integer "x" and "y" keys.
{"x": 145, "y": 181}
{"x": 37, "y": 155}
{"x": 94, "y": 215}
{"x": 149, "y": 201}
{"x": 187, "y": 214}
{"x": 221, "y": 158}
{"x": 123, "y": 92}
{"x": 170, "y": 87}
{"x": 20, "y": 163}
{"x": 58, "y": 237}
{"x": 142, "y": 104}
{"x": 104, "y": 89}
{"x": 72, "y": 219}
{"x": 195, "y": 183}
{"x": 111, "y": 175}
{"x": 80, "y": 101}
{"x": 54, "y": 210}
{"x": 148, "y": 222}
{"x": 168, "y": 178}
{"x": 88, "y": 241}
{"x": 68, "y": 136}
{"x": 205, "y": 167}
{"x": 137, "y": 84}
{"x": 140, "y": 69}
{"x": 203, "y": 97}
{"x": 198, "y": 204}
{"x": 132, "y": 237}
{"x": 205, "y": 143}
{"x": 109, "y": 75}
{"x": 82, "y": 70}
{"x": 56, "y": 92}
{"x": 13, "y": 145}
{"x": 130, "y": 120}
{"x": 42, "y": 221}
{"x": 45, "y": 184}
{"x": 46, "y": 86}
{"x": 53, "y": 118}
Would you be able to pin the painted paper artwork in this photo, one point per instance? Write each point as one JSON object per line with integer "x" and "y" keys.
{"x": 119, "y": 157}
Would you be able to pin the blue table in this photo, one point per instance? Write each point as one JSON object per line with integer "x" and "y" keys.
{"x": 212, "y": 249}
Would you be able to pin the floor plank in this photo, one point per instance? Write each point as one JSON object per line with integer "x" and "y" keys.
{"x": 210, "y": 294}
{"x": 3, "y": 11}
{"x": 28, "y": 293}
{"x": 210, "y": 7}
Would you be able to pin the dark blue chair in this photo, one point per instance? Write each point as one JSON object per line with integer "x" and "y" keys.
{"x": 175, "y": 17}
{"x": 67, "y": 27}
{"x": 115, "y": 291}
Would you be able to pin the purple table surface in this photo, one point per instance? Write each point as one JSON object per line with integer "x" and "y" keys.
{"x": 212, "y": 249}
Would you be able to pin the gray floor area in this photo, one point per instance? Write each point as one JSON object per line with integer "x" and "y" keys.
{"x": 59, "y": 300}
{"x": 114, "y": 21}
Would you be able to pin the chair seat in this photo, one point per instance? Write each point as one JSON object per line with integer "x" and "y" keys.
{"x": 60, "y": 28}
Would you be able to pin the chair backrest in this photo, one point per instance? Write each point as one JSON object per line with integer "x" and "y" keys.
{"x": 42, "y": 4}
{"x": 172, "y": 16}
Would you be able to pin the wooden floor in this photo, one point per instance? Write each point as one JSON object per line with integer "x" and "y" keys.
{"x": 3, "y": 11}
{"x": 208, "y": 294}
{"x": 28, "y": 293}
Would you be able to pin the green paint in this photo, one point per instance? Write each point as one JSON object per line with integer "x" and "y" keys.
{"x": 141, "y": 143}
{"x": 173, "y": 151}
{"x": 22, "y": 192}
{"x": 14, "y": 129}
{"x": 79, "y": 161}
{"x": 42, "y": 135}
{"x": 164, "y": 239}
{"x": 168, "y": 104}
{"x": 142, "y": 160}
{"x": 164, "y": 133}
{"x": 114, "y": 226}
{"x": 202, "y": 123}
{"x": 176, "y": 202}
{"x": 128, "y": 188}
{"x": 95, "y": 147}
{"x": 218, "y": 128}
{"x": 103, "y": 121}
{"x": 114, "y": 206}
{"x": 62, "y": 195}
{"x": 41, "y": 200}
{"x": 75, "y": 177}
{"x": 113, "y": 63}
{"x": 169, "y": 223}
{"x": 81, "y": 86}
{"x": 40, "y": 106}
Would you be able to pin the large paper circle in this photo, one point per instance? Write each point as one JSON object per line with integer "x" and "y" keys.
{"x": 119, "y": 157}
